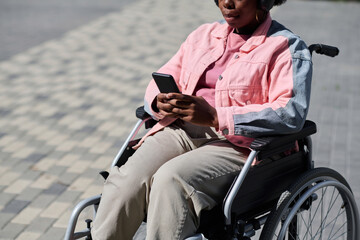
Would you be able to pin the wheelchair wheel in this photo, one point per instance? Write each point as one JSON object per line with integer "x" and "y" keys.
{"x": 319, "y": 205}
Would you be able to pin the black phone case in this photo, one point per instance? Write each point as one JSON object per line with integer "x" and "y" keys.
{"x": 165, "y": 83}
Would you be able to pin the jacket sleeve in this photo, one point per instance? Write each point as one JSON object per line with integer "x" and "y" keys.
{"x": 289, "y": 81}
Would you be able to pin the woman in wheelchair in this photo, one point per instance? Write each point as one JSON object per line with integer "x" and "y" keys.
{"x": 241, "y": 79}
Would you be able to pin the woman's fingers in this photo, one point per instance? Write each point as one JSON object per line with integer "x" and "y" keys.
{"x": 188, "y": 108}
{"x": 165, "y": 108}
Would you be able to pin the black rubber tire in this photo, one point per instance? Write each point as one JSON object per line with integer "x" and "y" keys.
{"x": 310, "y": 178}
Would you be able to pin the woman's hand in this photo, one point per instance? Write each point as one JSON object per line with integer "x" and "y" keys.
{"x": 191, "y": 109}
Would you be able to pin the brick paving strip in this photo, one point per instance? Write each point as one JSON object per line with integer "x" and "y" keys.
{"x": 66, "y": 106}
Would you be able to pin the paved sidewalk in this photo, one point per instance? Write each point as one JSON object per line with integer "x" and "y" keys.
{"x": 66, "y": 105}
{"x": 25, "y": 24}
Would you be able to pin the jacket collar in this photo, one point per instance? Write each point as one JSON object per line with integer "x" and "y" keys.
{"x": 256, "y": 39}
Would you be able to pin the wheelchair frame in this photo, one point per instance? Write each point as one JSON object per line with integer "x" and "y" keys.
{"x": 262, "y": 148}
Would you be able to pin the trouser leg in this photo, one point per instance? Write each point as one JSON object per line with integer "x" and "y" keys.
{"x": 126, "y": 191}
{"x": 189, "y": 183}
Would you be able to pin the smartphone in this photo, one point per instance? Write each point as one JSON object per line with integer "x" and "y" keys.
{"x": 165, "y": 83}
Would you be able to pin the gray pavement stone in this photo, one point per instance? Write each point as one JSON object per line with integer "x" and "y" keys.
{"x": 31, "y": 175}
{"x": 6, "y": 198}
{"x": 5, "y": 219}
{"x": 15, "y": 206}
{"x": 40, "y": 224}
{"x": 29, "y": 194}
{"x": 57, "y": 170}
{"x": 42, "y": 201}
{"x": 69, "y": 196}
{"x": 53, "y": 233}
{"x": 22, "y": 166}
{"x": 11, "y": 230}
{"x": 67, "y": 178}
{"x": 55, "y": 189}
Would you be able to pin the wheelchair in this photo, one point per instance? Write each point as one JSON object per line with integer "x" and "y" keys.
{"x": 284, "y": 195}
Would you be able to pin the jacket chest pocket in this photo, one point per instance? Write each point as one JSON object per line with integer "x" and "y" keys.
{"x": 247, "y": 84}
{"x": 245, "y": 95}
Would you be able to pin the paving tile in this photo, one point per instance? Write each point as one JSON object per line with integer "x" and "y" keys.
{"x": 9, "y": 177}
{"x": 100, "y": 148}
{"x": 7, "y": 139}
{"x": 35, "y": 157}
{"x": 90, "y": 157}
{"x": 92, "y": 190}
{"x": 79, "y": 150}
{"x": 15, "y": 206}
{"x": 79, "y": 166}
{"x": 54, "y": 234}
{"x": 102, "y": 163}
{"x": 54, "y": 210}
{"x": 40, "y": 224}
{"x": 44, "y": 181}
{"x": 42, "y": 201}
{"x": 28, "y": 194}
{"x": 14, "y": 146}
{"x": 63, "y": 220}
{"x": 56, "y": 170}
{"x": 27, "y": 215}
{"x": 56, "y": 189}
{"x": 66, "y": 146}
{"x": 17, "y": 187}
{"x": 4, "y": 156}
{"x": 25, "y": 152}
{"x": 69, "y": 196}
{"x": 23, "y": 166}
{"x": 5, "y": 219}
{"x": 28, "y": 236}
{"x": 44, "y": 164}
{"x": 6, "y": 198}
{"x": 30, "y": 174}
{"x": 94, "y": 174}
{"x": 68, "y": 160}
{"x": 11, "y": 231}
{"x": 80, "y": 184}
{"x": 67, "y": 178}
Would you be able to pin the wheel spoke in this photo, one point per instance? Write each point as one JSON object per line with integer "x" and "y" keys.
{"x": 323, "y": 219}
{"x": 342, "y": 234}
{"x": 338, "y": 231}
{"x": 307, "y": 226}
{"x": 331, "y": 222}
{"x": 317, "y": 208}
{"x": 336, "y": 218}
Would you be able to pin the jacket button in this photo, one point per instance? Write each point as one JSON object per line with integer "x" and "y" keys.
{"x": 225, "y": 131}
{"x": 236, "y": 56}
{"x": 220, "y": 77}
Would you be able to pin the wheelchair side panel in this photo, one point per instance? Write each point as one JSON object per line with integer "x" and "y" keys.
{"x": 265, "y": 183}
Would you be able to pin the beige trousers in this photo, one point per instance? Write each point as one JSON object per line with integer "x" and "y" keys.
{"x": 174, "y": 175}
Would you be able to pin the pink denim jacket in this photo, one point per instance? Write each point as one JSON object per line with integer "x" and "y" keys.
{"x": 264, "y": 90}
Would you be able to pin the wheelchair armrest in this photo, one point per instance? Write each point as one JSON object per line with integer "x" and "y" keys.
{"x": 273, "y": 142}
{"x": 143, "y": 115}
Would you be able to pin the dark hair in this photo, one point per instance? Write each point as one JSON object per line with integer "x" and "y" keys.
{"x": 279, "y": 2}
